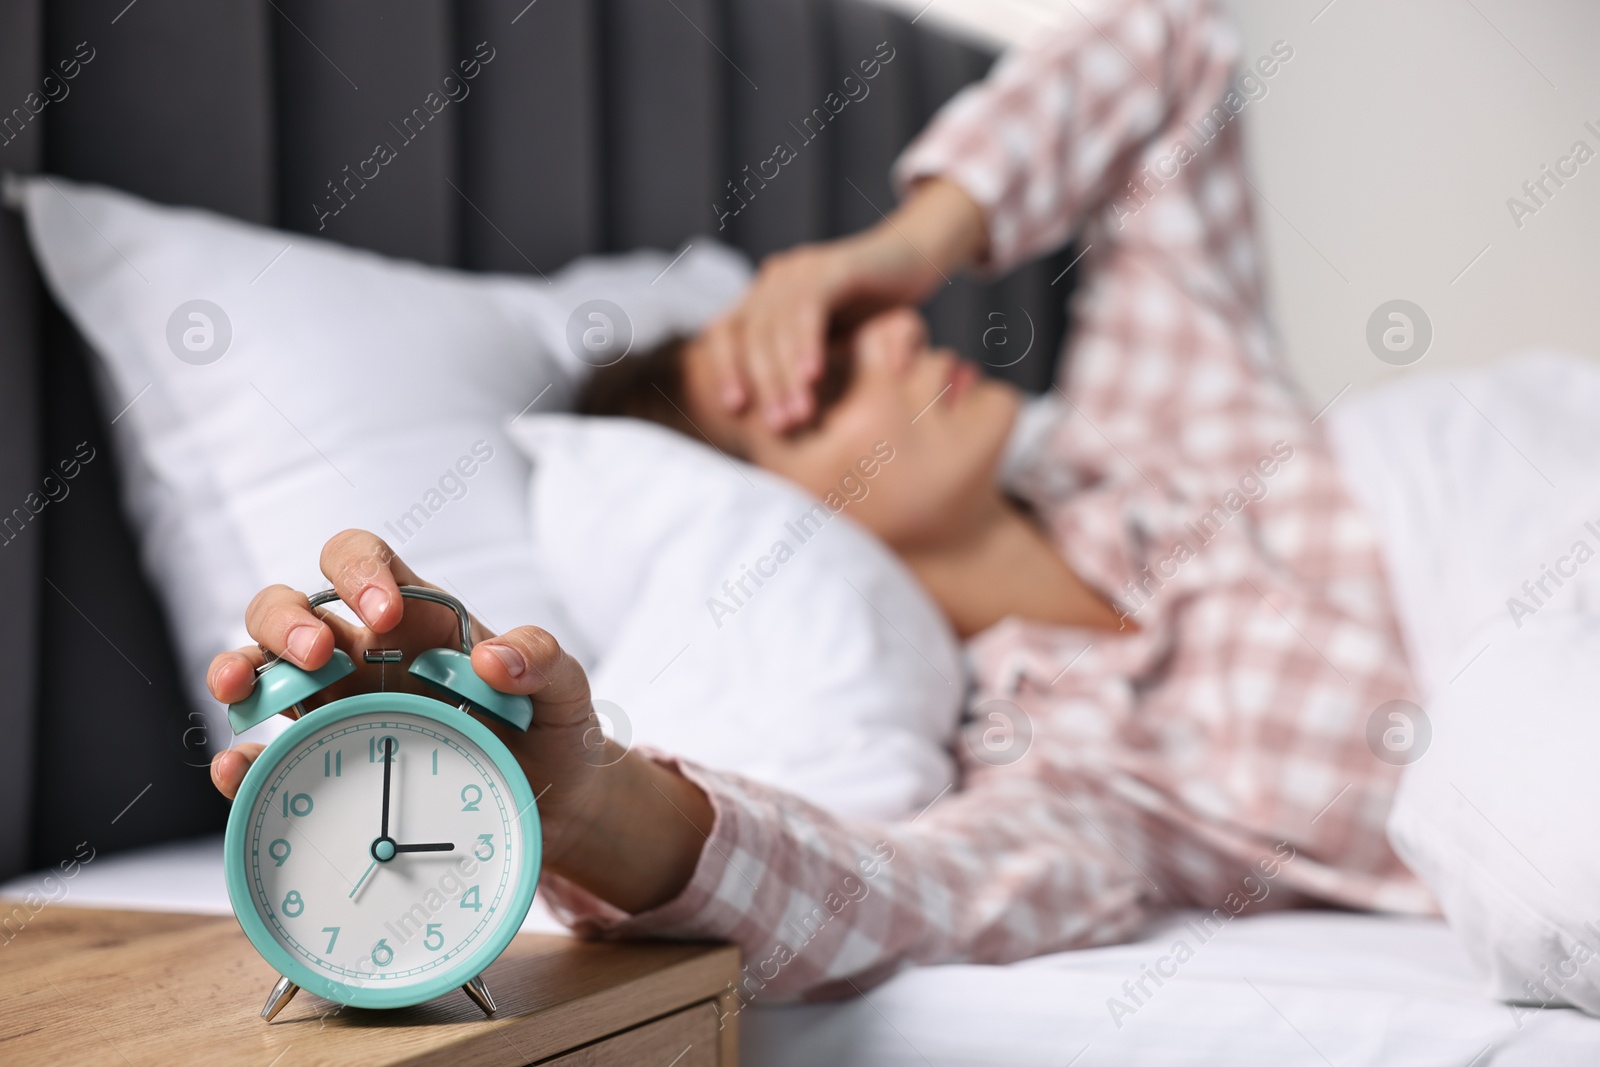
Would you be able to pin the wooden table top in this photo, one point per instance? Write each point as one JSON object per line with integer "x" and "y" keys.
{"x": 82, "y": 985}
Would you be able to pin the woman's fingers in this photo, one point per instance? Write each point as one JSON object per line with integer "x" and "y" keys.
{"x": 769, "y": 390}
{"x": 724, "y": 342}
{"x": 769, "y": 359}
{"x": 782, "y": 394}
{"x": 797, "y": 341}
{"x": 232, "y": 675}
{"x": 528, "y": 660}
{"x": 282, "y": 620}
{"x": 785, "y": 320}
{"x": 228, "y": 768}
{"x": 809, "y": 332}
{"x": 367, "y": 575}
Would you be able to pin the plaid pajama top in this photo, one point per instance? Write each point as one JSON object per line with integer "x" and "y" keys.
{"x": 1214, "y": 755}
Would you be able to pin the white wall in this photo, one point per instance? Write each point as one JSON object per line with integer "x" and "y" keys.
{"x": 1384, "y": 154}
{"x": 1391, "y": 143}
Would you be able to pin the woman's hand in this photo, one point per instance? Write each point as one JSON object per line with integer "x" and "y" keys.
{"x": 768, "y": 351}
{"x": 622, "y": 826}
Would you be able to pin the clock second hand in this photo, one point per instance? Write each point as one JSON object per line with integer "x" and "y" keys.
{"x": 364, "y": 875}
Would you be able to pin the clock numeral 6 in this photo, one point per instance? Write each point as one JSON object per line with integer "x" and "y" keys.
{"x": 294, "y": 905}
{"x": 279, "y": 850}
{"x": 434, "y": 930}
{"x": 299, "y": 804}
{"x": 485, "y": 851}
{"x": 472, "y": 803}
{"x": 382, "y": 954}
{"x": 470, "y": 899}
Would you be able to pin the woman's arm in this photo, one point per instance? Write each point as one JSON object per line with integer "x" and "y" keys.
{"x": 1021, "y": 862}
{"x": 1007, "y": 170}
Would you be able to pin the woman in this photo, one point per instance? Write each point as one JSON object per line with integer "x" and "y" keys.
{"x": 1187, "y": 613}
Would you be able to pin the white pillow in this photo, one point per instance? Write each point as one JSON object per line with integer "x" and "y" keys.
{"x": 355, "y": 391}
{"x": 835, "y": 678}
{"x": 1479, "y": 483}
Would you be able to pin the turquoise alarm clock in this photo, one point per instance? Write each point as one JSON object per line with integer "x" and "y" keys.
{"x": 384, "y": 849}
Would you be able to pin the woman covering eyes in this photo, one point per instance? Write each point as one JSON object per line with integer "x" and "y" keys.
{"x": 1157, "y": 561}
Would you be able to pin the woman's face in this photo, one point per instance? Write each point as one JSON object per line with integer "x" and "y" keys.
{"x": 912, "y": 445}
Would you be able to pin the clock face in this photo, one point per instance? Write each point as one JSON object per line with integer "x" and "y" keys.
{"x": 425, "y": 901}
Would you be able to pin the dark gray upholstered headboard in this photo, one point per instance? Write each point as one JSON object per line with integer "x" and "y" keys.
{"x": 600, "y": 125}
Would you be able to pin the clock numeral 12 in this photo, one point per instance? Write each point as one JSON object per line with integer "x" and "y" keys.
{"x": 382, "y": 749}
{"x": 333, "y": 764}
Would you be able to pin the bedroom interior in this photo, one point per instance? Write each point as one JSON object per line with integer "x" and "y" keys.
{"x": 1399, "y": 159}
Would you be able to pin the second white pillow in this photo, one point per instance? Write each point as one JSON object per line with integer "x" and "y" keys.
{"x": 741, "y": 623}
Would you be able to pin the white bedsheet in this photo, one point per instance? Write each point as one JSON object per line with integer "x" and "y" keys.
{"x": 1311, "y": 988}
{"x": 1288, "y": 989}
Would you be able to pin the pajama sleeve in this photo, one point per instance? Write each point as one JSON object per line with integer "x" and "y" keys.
{"x": 822, "y": 906}
{"x": 1049, "y": 137}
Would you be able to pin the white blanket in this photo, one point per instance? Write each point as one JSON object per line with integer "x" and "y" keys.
{"x": 1486, "y": 489}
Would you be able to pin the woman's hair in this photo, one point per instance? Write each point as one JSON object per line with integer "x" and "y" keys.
{"x": 648, "y": 386}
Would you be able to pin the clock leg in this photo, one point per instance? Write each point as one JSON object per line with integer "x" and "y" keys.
{"x": 281, "y": 994}
{"x": 479, "y": 994}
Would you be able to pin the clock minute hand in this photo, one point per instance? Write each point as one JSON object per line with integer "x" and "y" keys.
{"x": 432, "y": 846}
{"x": 388, "y": 759}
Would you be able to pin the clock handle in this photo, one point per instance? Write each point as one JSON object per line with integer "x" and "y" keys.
{"x": 281, "y": 685}
{"x": 450, "y": 671}
{"x": 416, "y": 592}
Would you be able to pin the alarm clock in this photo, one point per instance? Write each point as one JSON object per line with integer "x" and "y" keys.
{"x": 384, "y": 849}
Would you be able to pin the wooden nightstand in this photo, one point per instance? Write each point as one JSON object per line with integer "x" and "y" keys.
{"x": 80, "y": 985}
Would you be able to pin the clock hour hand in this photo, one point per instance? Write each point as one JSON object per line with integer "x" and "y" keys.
{"x": 432, "y": 846}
